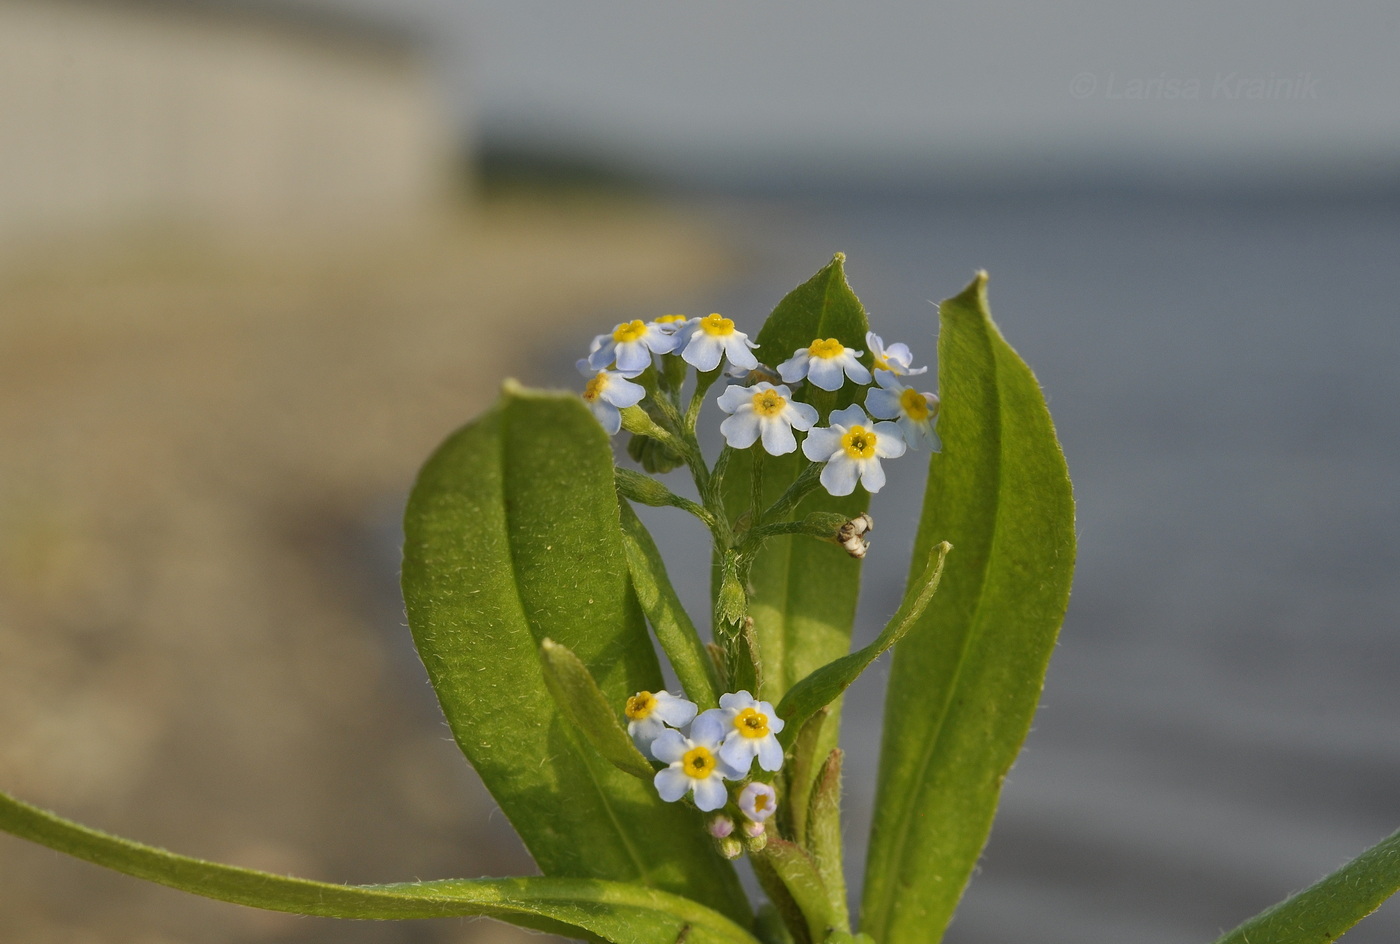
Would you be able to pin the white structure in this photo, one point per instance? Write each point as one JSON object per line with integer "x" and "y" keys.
{"x": 122, "y": 113}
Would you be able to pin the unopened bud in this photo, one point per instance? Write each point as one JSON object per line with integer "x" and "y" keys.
{"x": 849, "y": 535}
{"x": 720, "y": 827}
{"x": 757, "y": 843}
{"x": 754, "y": 830}
{"x": 730, "y": 848}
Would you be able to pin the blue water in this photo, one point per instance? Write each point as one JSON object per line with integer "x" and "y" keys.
{"x": 1221, "y": 723}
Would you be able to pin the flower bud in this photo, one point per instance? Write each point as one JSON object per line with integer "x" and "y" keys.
{"x": 730, "y": 848}
{"x": 720, "y": 826}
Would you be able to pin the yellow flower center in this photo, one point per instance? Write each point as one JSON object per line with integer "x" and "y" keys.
{"x": 698, "y": 762}
{"x": 760, "y": 802}
{"x": 859, "y": 443}
{"x": 914, "y": 404}
{"x": 595, "y": 387}
{"x": 640, "y": 705}
{"x": 670, "y": 319}
{"x": 883, "y": 364}
{"x": 828, "y": 349}
{"x": 751, "y": 723}
{"x": 717, "y": 324}
{"x": 629, "y": 331}
{"x": 768, "y": 403}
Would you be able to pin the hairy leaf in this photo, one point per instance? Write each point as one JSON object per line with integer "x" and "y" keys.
{"x": 826, "y": 684}
{"x": 669, "y": 620}
{"x": 1320, "y": 913}
{"x": 577, "y": 695}
{"x": 614, "y": 911}
{"x": 512, "y": 536}
{"x": 965, "y": 681}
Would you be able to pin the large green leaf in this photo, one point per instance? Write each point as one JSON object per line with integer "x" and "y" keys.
{"x": 804, "y": 598}
{"x": 511, "y": 537}
{"x": 965, "y": 681}
{"x": 1320, "y": 913}
{"x": 804, "y": 591}
{"x": 614, "y": 911}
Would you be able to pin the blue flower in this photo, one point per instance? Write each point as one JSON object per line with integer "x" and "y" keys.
{"x": 747, "y": 728}
{"x": 648, "y": 713}
{"x": 694, "y": 767}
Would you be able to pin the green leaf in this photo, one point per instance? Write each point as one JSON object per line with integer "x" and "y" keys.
{"x": 794, "y": 867}
{"x": 577, "y": 695}
{"x": 826, "y": 684}
{"x": 804, "y": 597}
{"x": 614, "y": 911}
{"x": 824, "y": 836}
{"x": 965, "y": 681}
{"x": 1321, "y": 912}
{"x": 804, "y": 591}
{"x": 669, "y": 620}
{"x": 512, "y": 536}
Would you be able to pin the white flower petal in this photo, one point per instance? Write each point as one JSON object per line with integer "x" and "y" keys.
{"x": 856, "y": 370}
{"x": 872, "y": 475}
{"x": 822, "y": 444}
{"x": 603, "y": 356}
{"x": 889, "y": 440}
{"x": 735, "y": 396}
{"x": 737, "y": 701}
{"x": 742, "y": 429}
{"x": 739, "y": 349}
{"x": 795, "y": 368}
{"x": 770, "y": 753}
{"x": 703, "y": 351}
{"x": 799, "y": 415}
{"x": 645, "y": 730}
{"x": 710, "y": 793}
{"x": 775, "y": 724}
{"x": 919, "y": 436}
{"x": 882, "y": 403}
{"x": 607, "y": 415}
{"x": 622, "y": 392}
{"x": 852, "y": 415}
{"x": 825, "y": 372}
{"x": 669, "y": 747}
{"x": 674, "y": 710}
{"x": 671, "y": 783}
{"x": 709, "y": 727}
{"x": 777, "y": 437}
{"x": 633, "y": 355}
{"x": 840, "y": 475}
{"x": 738, "y": 751}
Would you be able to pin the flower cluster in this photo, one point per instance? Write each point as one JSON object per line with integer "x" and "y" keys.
{"x": 891, "y": 418}
{"x": 702, "y": 751}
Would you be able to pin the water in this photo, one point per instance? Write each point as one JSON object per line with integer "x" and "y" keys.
{"x": 1221, "y": 723}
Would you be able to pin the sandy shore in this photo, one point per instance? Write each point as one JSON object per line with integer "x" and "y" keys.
{"x": 200, "y": 453}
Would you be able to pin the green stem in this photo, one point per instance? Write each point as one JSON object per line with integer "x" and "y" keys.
{"x": 807, "y": 481}
{"x": 756, "y": 489}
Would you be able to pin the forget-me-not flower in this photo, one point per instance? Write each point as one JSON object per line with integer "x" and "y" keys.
{"x": 694, "y": 766}
{"x": 747, "y": 728}
{"x": 607, "y": 393}
{"x": 766, "y": 411}
{"x": 826, "y": 363}
{"x": 630, "y": 346}
{"x": 648, "y": 713}
{"x": 712, "y": 338}
{"x": 852, "y": 447}
{"x": 912, "y": 411}
{"x": 896, "y": 358}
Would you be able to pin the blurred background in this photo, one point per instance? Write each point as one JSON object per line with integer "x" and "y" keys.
{"x": 257, "y": 257}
